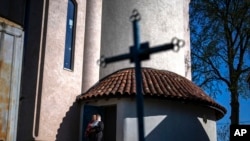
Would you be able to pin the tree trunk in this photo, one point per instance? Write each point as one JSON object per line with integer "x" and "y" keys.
{"x": 234, "y": 108}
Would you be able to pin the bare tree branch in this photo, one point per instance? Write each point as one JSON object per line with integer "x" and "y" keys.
{"x": 220, "y": 32}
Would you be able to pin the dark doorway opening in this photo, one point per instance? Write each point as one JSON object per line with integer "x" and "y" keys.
{"x": 108, "y": 114}
{"x": 109, "y": 119}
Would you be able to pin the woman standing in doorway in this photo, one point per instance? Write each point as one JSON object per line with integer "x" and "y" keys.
{"x": 99, "y": 128}
{"x": 89, "y": 133}
{"x": 95, "y": 128}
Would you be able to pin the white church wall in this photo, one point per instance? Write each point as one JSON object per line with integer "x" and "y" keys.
{"x": 160, "y": 22}
{"x": 210, "y": 127}
{"x": 59, "y": 86}
{"x": 163, "y": 120}
{"x": 92, "y": 44}
{"x": 166, "y": 120}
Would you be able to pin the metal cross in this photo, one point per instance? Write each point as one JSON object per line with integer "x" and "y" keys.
{"x": 140, "y": 52}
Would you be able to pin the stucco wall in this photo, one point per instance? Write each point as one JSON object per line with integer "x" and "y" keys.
{"x": 59, "y": 87}
{"x": 92, "y": 44}
{"x": 163, "y": 120}
{"x": 161, "y": 20}
{"x": 166, "y": 120}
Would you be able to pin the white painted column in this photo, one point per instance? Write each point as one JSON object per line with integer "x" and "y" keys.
{"x": 92, "y": 43}
{"x": 11, "y": 54}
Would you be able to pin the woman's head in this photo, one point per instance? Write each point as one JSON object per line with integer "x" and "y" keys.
{"x": 94, "y": 117}
{"x": 98, "y": 117}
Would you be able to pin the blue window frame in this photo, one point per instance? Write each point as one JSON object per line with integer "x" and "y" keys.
{"x": 70, "y": 33}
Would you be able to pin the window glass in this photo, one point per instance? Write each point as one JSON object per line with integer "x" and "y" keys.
{"x": 69, "y": 41}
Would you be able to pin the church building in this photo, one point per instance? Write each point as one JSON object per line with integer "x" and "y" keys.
{"x": 50, "y": 82}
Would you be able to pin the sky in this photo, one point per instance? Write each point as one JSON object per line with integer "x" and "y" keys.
{"x": 224, "y": 100}
{"x": 244, "y": 117}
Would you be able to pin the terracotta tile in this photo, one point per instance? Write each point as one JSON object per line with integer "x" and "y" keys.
{"x": 156, "y": 83}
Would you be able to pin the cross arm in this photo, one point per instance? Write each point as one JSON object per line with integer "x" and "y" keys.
{"x": 103, "y": 61}
{"x": 143, "y": 53}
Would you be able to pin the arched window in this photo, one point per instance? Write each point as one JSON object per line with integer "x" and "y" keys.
{"x": 70, "y": 34}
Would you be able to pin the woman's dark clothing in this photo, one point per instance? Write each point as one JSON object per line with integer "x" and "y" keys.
{"x": 99, "y": 130}
{"x": 97, "y": 134}
{"x": 92, "y": 136}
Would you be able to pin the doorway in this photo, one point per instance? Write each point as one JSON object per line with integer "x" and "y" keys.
{"x": 108, "y": 114}
{"x": 109, "y": 119}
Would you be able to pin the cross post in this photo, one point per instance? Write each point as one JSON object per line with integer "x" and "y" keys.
{"x": 139, "y": 97}
{"x": 140, "y": 52}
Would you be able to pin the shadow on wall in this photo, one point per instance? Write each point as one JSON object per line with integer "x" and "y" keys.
{"x": 69, "y": 128}
{"x": 178, "y": 129}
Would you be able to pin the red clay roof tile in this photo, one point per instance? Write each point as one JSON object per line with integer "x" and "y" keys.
{"x": 156, "y": 83}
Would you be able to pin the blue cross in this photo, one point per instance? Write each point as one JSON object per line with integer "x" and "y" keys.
{"x": 140, "y": 52}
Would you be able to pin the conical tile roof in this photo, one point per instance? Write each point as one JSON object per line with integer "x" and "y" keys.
{"x": 156, "y": 84}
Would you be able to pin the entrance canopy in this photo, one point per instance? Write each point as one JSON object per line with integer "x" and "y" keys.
{"x": 156, "y": 84}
